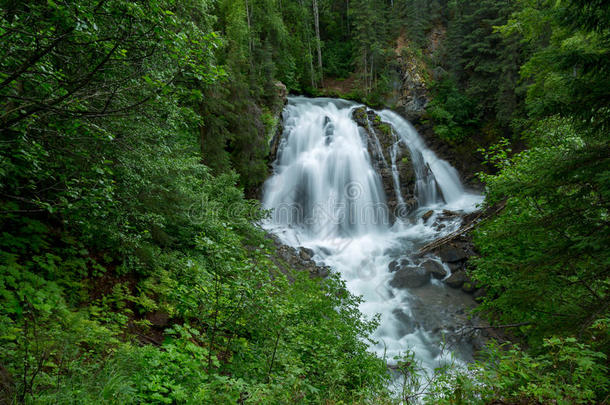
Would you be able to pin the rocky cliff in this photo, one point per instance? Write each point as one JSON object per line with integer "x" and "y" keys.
{"x": 391, "y": 159}
{"x": 412, "y": 94}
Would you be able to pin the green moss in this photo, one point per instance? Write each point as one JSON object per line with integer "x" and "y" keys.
{"x": 386, "y": 129}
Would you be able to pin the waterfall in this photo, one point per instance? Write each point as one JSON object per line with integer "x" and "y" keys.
{"x": 432, "y": 173}
{"x": 324, "y": 182}
{"x": 325, "y": 195}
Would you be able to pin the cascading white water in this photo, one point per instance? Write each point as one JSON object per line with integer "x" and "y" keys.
{"x": 431, "y": 171}
{"x": 324, "y": 182}
{"x": 326, "y": 196}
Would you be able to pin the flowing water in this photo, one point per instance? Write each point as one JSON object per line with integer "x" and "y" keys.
{"x": 326, "y": 196}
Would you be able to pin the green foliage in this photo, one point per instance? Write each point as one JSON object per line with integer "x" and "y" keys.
{"x": 544, "y": 256}
{"x": 552, "y": 233}
{"x": 130, "y": 272}
{"x": 571, "y": 59}
{"x": 564, "y": 372}
{"x": 130, "y": 268}
{"x": 543, "y": 252}
{"x": 485, "y": 62}
{"x": 452, "y": 113}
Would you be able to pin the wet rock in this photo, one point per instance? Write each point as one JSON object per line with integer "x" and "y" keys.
{"x": 455, "y": 266}
{"x": 359, "y": 115}
{"x": 449, "y": 214}
{"x": 410, "y": 277}
{"x": 382, "y": 142}
{"x": 393, "y": 266}
{"x": 435, "y": 269}
{"x": 329, "y": 131}
{"x": 427, "y": 215}
{"x": 456, "y": 280}
{"x": 288, "y": 259}
{"x": 398, "y": 264}
{"x": 305, "y": 253}
{"x": 320, "y": 271}
{"x": 450, "y": 253}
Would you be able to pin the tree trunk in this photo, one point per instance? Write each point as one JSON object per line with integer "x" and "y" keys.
{"x": 347, "y": 15}
{"x": 249, "y": 28}
{"x": 316, "y": 21}
{"x": 364, "y": 75}
{"x": 313, "y": 73}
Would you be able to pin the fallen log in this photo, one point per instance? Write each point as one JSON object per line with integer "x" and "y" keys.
{"x": 462, "y": 230}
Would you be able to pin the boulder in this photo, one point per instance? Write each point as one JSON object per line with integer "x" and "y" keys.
{"x": 427, "y": 215}
{"x": 449, "y": 214}
{"x": 435, "y": 269}
{"x": 456, "y": 280}
{"x": 305, "y": 253}
{"x": 397, "y": 264}
{"x": 451, "y": 254}
{"x": 455, "y": 266}
{"x": 320, "y": 272}
{"x": 410, "y": 277}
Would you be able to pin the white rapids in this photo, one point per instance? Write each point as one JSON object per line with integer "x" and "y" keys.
{"x": 326, "y": 196}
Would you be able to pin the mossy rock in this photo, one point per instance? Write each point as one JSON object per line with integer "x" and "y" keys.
{"x": 360, "y": 113}
{"x": 386, "y": 129}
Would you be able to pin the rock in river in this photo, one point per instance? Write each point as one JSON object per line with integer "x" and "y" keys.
{"x": 427, "y": 215}
{"x": 451, "y": 254}
{"x": 435, "y": 269}
{"x": 306, "y": 253}
{"x": 410, "y": 277}
{"x": 456, "y": 280}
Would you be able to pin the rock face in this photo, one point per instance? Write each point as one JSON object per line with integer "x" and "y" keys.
{"x": 276, "y": 135}
{"x": 413, "y": 95}
{"x": 410, "y": 277}
{"x": 413, "y": 98}
{"x": 389, "y": 157}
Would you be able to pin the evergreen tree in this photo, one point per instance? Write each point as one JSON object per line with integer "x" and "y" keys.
{"x": 485, "y": 63}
